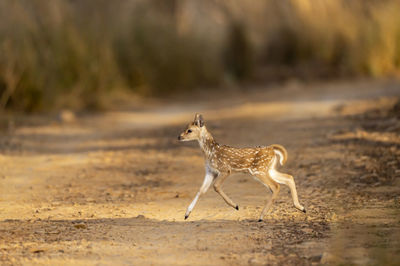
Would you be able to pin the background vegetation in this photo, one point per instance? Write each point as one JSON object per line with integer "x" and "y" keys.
{"x": 75, "y": 54}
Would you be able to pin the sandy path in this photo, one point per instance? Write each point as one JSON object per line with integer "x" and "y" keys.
{"x": 113, "y": 188}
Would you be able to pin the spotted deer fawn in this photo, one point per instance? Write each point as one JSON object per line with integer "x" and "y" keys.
{"x": 221, "y": 161}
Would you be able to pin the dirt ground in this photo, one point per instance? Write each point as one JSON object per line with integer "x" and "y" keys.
{"x": 112, "y": 188}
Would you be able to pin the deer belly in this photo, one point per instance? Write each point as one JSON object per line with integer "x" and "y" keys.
{"x": 241, "y": 165}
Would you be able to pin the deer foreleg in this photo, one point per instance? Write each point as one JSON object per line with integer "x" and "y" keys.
{"x": 209, "y": 177}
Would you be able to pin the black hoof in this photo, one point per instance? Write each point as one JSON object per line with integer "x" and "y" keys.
{"x": 186, "y": 216}
{"x": 237, "y": 207}
{"x": 304, "y": 211}
{"x": 260, "y": 220}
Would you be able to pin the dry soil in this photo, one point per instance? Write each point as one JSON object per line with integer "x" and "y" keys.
{"x": 112, "y": 188}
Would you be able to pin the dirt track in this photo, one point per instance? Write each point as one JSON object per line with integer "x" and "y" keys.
{"x": 113, "y": 188}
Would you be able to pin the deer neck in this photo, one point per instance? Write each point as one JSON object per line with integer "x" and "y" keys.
{"x": 207, "y": 143}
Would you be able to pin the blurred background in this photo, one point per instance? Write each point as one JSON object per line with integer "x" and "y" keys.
{"x": 80, "y": 54}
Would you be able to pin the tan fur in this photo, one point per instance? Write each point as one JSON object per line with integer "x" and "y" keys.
{"x": 283, "y": 150}
{"x": 222, "y": 160}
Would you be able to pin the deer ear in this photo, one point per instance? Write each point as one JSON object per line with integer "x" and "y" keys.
{"x": 198, "y": 120}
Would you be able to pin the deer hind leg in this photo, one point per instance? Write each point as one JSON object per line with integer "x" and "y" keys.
{"x": 217, "y": 187}
{"x": 274, "y": 186}
{"x": 209, "y": 177}
{"x": 289, "y": 181}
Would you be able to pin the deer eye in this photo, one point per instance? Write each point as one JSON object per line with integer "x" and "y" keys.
{"x": 189, "y": 131}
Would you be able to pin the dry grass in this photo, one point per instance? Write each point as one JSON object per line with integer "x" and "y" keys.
{"x": 74, "y": 54}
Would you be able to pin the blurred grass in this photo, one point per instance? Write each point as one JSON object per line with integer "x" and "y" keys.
{"x": 76, "y": 54}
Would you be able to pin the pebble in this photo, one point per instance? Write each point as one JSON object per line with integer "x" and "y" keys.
{"x": 80, "y": 226}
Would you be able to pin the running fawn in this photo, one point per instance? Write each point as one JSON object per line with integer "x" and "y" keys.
{"x": 221, "y": 161}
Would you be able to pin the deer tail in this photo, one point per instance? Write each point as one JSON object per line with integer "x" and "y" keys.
{"x": 281, "y": 151}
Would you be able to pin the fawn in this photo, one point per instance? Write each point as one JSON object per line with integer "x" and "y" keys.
{"x": 222, "y": 160}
